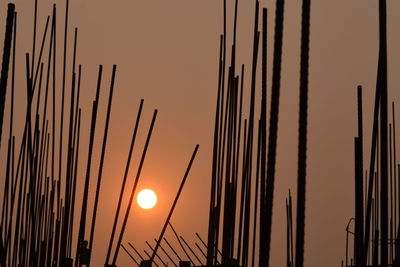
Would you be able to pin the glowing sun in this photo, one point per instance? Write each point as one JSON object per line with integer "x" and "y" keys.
{"x": 146, "y": 199}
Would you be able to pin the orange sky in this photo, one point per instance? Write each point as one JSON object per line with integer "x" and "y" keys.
{"x": 167, "y": 53}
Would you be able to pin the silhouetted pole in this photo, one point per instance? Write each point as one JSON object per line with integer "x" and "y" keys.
{"x": 263, "y": 146}
{"x": 287, "y": 236}
{"x": 6, "y": 63}
{"x": 372, "y": 163}
{"x": 397, "y": 247}
{"x": 396, "y": 191}
{"x": 255, "y": 210}
{"x": 134, "y": 187}
{"x": 3, "y": 89}
{"x": 273, "y": 129}
{"x": 124, "y": 180}
{"x": 63, "y": 94}
{"x": 358, "y": 233}
{"x": 214, "y": 171}
{"x": 382, "y": 80}
{"x": 82, "y": 224}
{"x": 302, "y": 145}
{"x": 174, "y": 204}
{"x": 103, "y": 150}
{"x": 360, "y": 169}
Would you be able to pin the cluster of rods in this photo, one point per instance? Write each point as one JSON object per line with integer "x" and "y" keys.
{"x": 231, "y": 231}
{"x": 189, "y": 256}
{"x": 239, "y": 194}
{"x": 377, "y": 206}
{"x": 39, "y": 207}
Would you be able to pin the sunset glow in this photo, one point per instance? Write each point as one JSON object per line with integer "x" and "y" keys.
{"x": 146, "y": 199}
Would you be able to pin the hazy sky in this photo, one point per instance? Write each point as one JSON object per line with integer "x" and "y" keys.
{"x": 167, "y": 53}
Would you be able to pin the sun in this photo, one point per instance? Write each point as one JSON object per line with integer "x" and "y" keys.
{"x": 146, "y": 199}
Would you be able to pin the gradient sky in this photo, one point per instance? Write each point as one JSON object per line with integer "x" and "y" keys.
{"x": 167, "y": 53}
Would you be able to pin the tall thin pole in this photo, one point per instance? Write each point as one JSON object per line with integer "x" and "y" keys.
{"x": 273, "y": 128}
{"x": 382, "y": 80}
{"x": 82, "y": 223}
{"x": 103, "y": 150}
{"x": 6, "y": 62}
{"x": 302, "y": 145}
{"x": 134, "y": 187}
{"x": 124, "y": 180}
{"x": 175, "y": 201}
{"x": 263, "y": 150}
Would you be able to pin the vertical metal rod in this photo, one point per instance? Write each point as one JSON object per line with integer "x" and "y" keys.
{"x": 358, "y": 234}
{"x": 124, "y": 180}
{"x": 5, "y": 62}
{"x": 263, "y": 143}
{"x": 288, "y": 235}
{"x": 273, "y": 130}
{"x": 103, "y": 150}
{"x": 396, "y": 191}
{"x": 134, "y": 188}
{"x": 214, "y": 171}
{"x": 255, "y": 210}
{"x": 382, "y": 81}
{"x": 82, "y": 223}
{"x": 175, "y": 201}
{"x": 34, "y": 35}
{"x": 373, "y": 161}
{"x": 63, "y": 90}
{"x": 35, "y": 76}
{"x": 302, "y": 145}
{"x": 391, "y": 195}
